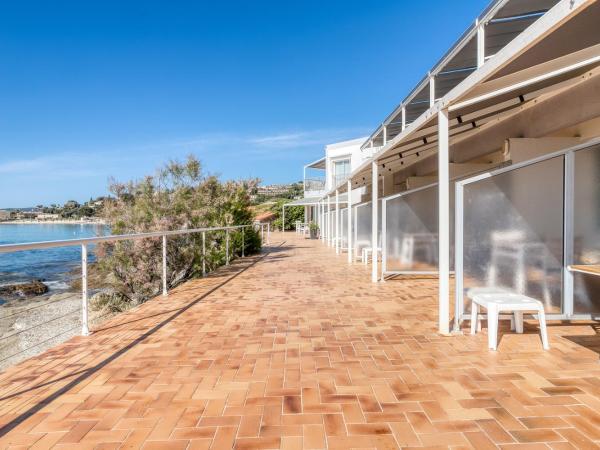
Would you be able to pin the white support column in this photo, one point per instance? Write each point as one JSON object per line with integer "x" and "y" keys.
{"x": 403, "y": 118}
{"x": 320, "y": 207}
{"x": 323, "y": 221}
{"x": 444, "y": 222}
{"x": 328, "y": 221}
{"x": 480, "y": 43}
{"x": 337, "y": 222}
{"x": 85, "y": 330}
{"x": 374, "y": 221}
{"x": 431, "y": 90}
{"x": 384, "y": 135}
{"x": 349, "y": 206}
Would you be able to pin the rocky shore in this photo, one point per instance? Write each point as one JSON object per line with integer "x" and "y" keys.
{"x": 30, "y": 323}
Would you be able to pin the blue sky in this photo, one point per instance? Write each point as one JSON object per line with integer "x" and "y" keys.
{"x": 94, "y": 89}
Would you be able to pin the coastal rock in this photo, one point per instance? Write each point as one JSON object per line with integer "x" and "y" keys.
{"x": 28, "y": 289}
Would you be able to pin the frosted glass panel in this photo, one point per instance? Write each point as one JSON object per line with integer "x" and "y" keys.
{"x": 344, "y": 227}
{"x": 412, "y": 231}
{"x": 586, "y": 229}
{"x": 513, "y": 232}
{"x": 363, "y": 225}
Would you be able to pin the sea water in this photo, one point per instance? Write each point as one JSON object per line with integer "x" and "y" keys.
{"x": 53, "y": 265}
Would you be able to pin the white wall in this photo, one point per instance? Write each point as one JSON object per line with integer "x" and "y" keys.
{"x": 342, "y": 150}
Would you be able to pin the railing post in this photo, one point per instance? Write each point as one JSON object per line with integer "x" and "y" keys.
{"x": 268, "y": 232}
{"x": 204, "y": 253}
{"x": 262, "y": 233}
{"x": 242, "y": 242}
{"x": 227, "y": 247}
{"x": 85, "y": 331}
{"x": 164, "y": 265}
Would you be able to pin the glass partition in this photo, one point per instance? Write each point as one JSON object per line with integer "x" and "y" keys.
{"x": 363, "y": 219}
{"x": 412, "y": 230}
{"x": 344, "y": 228}
{"x": 362, "y": 227}
{"x": 513, "y": 232}
{"x": 586, "y": 229}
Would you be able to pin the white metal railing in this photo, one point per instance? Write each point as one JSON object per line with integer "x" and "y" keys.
{"x": 85, "y": 242}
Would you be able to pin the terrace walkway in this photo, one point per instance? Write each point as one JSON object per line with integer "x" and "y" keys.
{"x": 297, "y": 350}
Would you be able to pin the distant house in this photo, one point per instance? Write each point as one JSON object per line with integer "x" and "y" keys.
{"x": 48, "y": 216}
{"x": 4, "y": 215}
{"x": 266, "y": 217}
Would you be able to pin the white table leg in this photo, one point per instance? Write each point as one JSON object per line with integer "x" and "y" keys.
{"x": 492, "y": 313}
{"x": 519, "y": 321}
{"x": 543, "y": 330}
{"x": 474, "y": 316}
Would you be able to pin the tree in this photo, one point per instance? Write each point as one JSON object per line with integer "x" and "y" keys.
{"x": 292, "y": 214}
{"x": 179, "y": 196}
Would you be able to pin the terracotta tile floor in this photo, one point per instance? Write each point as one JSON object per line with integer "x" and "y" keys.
{"x": 298, "y": 350}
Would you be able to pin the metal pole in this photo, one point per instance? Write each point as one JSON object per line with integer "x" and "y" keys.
{"x": 403, "y": 118}
{"x": 480, "y": 44}
{"x": 226, "y": 247}
{"x": 458, "y": 254}
{"x": 268, "y": 232}
{"x": 337, "y": 222}
{"x": 203, "y": 253}
{"x": 374, "y": 220}
{"x": 164, "y": 265}
{"x": 85, "y": 331}
{"x": 568, "y": 249}
{"x": 328, "y": 222}
{"x": 262, "y": 233}
{"x": 349, "y": 206}
{"x": 431, "y": 90}
{"x": 444, "y": 222}
{"x": 242, "y": 242}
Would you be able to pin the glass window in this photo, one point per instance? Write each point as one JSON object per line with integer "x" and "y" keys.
{"x": 341, "y": 171}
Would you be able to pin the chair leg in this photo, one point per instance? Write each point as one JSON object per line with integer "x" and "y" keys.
{"x": 519, "y": 321}
{"x": 543, "y": 330}
{"x": 474, "y": 316}
{"x": 492, "y": 327}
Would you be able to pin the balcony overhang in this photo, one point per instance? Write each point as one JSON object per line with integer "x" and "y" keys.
{"x": 503, "y": 86}
{"x": 320, "y": 163}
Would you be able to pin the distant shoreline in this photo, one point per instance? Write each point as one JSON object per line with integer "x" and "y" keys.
{"x": 53, "y": 222}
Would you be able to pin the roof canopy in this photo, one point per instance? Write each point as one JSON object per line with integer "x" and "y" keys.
{"x": 551, "y": 54}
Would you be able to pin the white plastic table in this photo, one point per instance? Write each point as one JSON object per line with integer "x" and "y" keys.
{"x": 506, "y": 301}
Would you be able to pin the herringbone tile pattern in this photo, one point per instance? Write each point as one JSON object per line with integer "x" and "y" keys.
{"x": 299, "y": 350}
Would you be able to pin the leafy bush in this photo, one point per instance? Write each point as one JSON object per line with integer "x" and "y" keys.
{"x": 292, "y": 214}
{"x": 178, "y": 197}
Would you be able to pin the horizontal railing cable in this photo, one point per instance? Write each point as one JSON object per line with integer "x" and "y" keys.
{"x": 37, "y": 325}
{"x": 230, "y": 251}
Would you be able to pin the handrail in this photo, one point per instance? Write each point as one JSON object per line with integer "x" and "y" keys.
{"x": 10, "y": 248}
{"x": 84, "y": 242}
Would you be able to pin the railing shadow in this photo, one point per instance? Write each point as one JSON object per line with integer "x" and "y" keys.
{"x": 84, "y": 374}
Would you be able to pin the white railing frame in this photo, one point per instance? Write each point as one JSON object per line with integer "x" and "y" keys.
{"x": 84, "y": 242}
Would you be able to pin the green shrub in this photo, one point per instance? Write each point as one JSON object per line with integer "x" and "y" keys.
{"x": 178, "y": 197}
